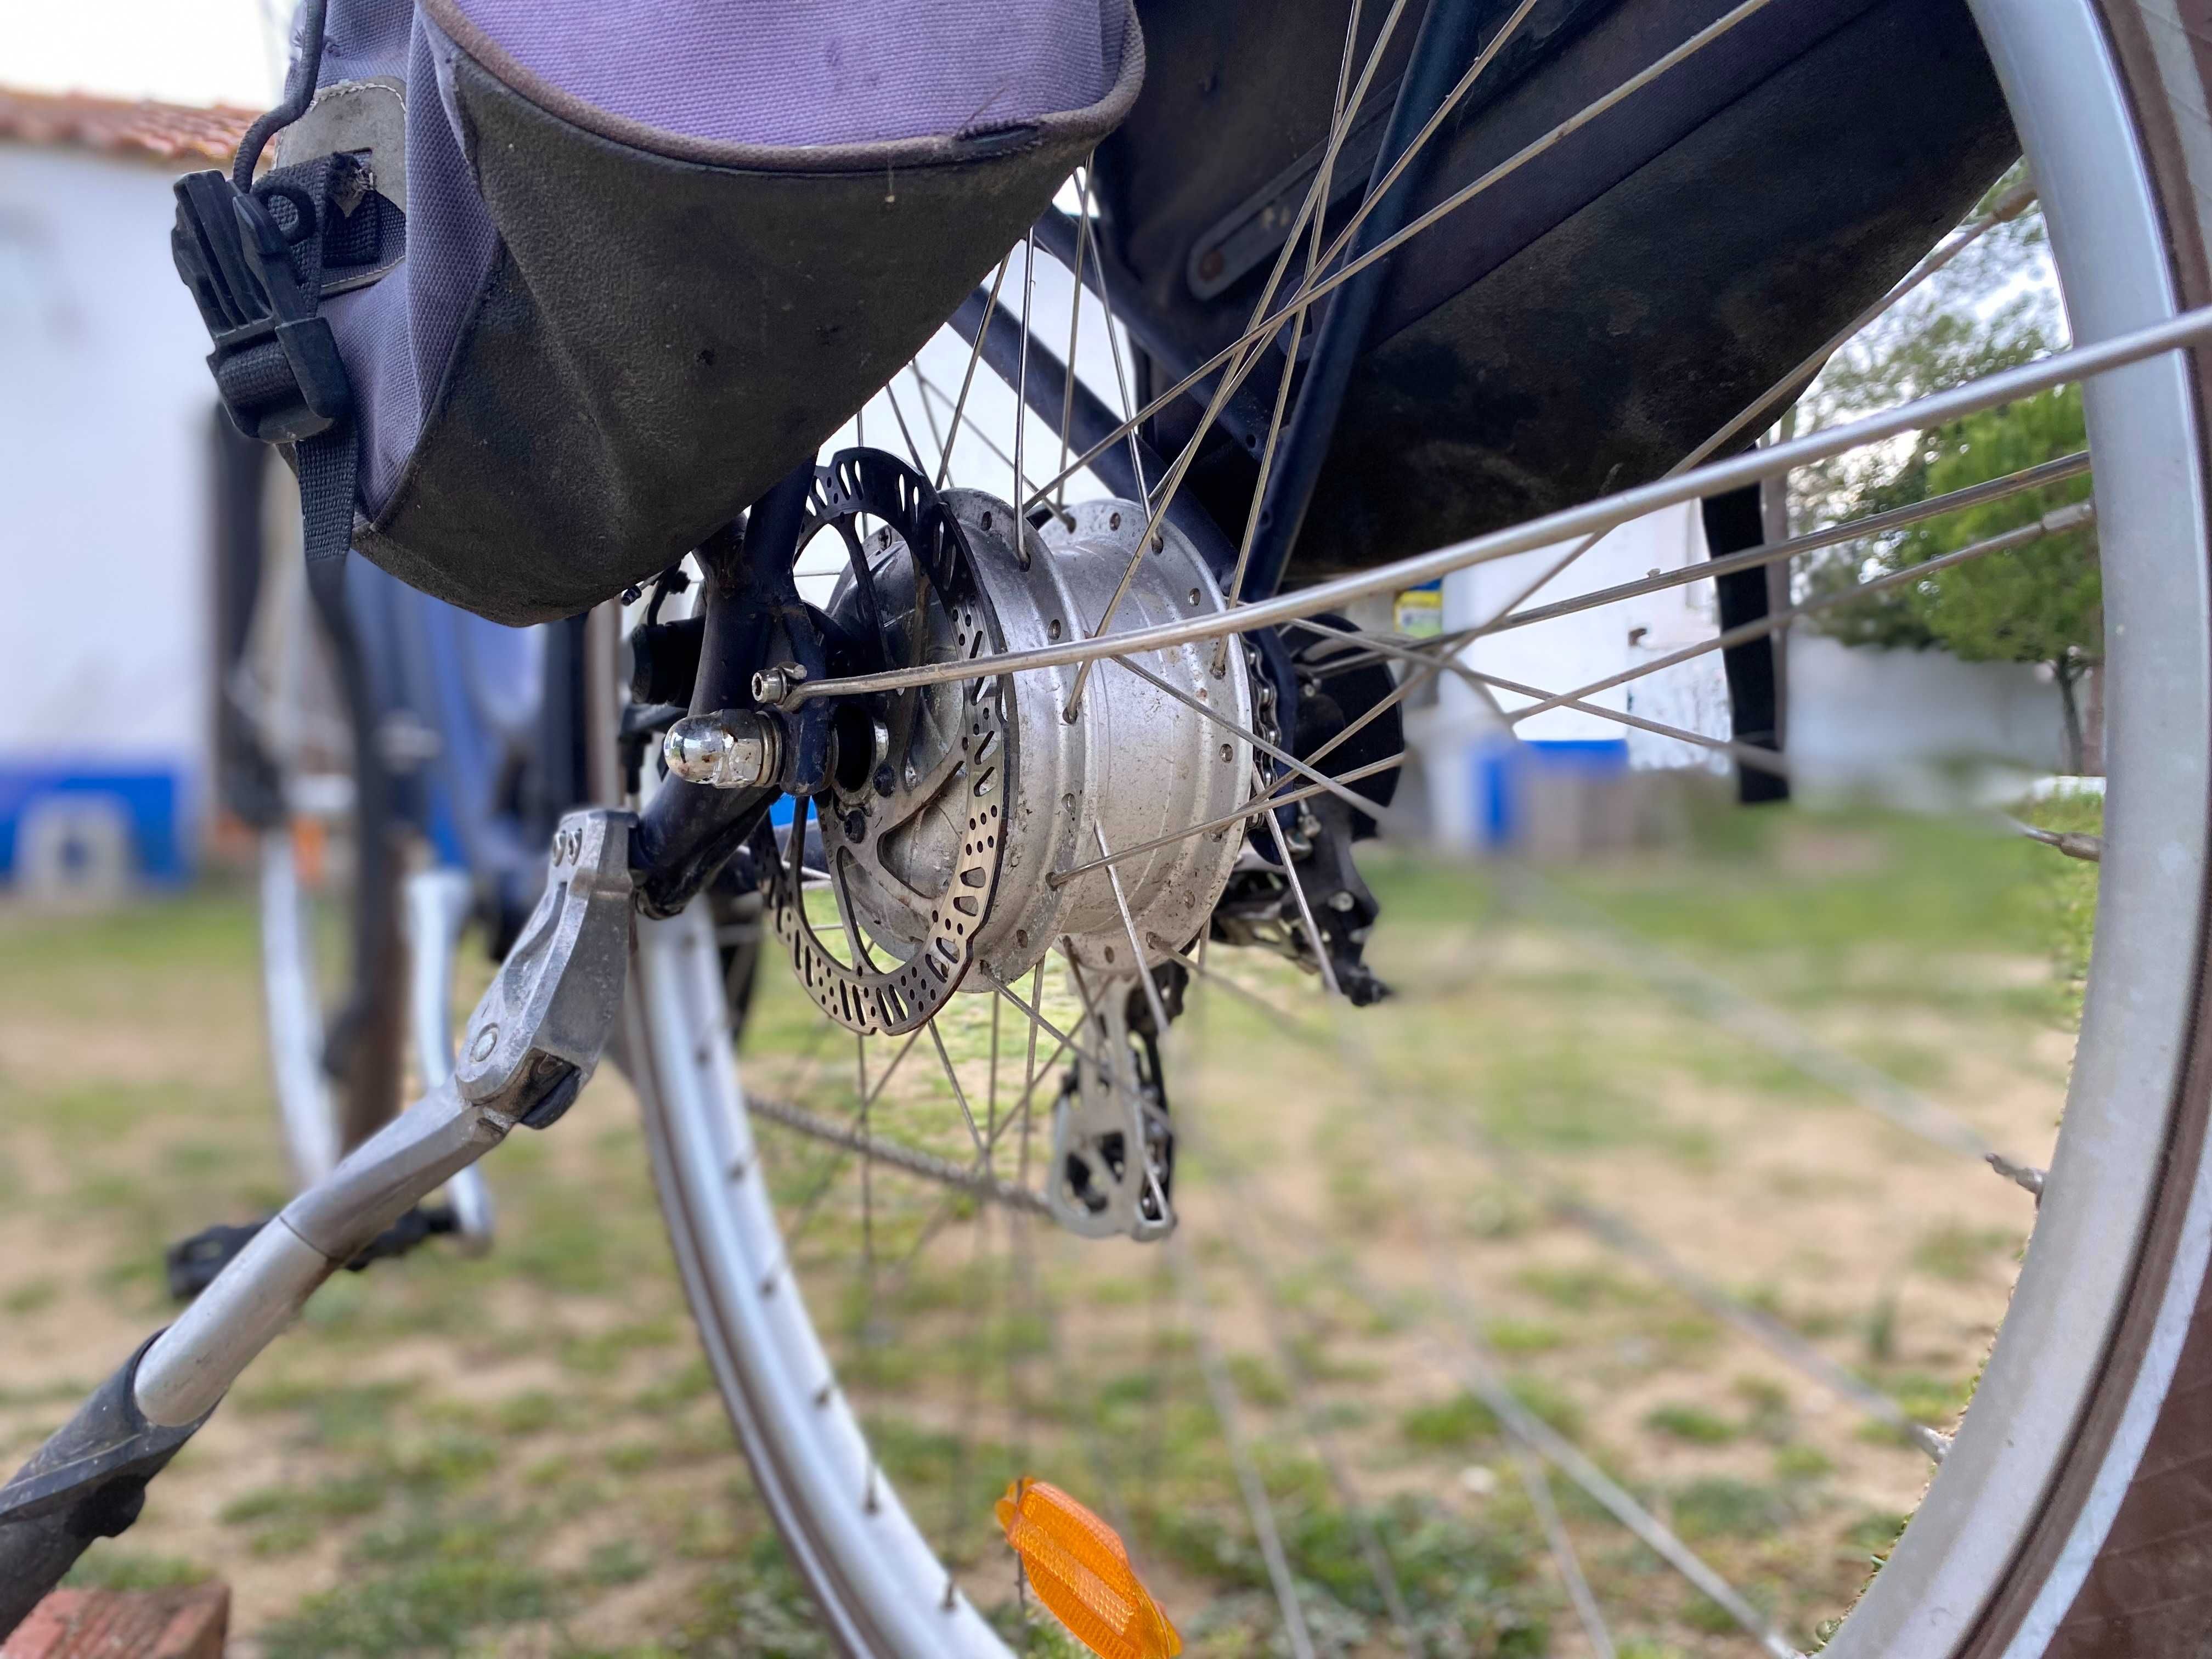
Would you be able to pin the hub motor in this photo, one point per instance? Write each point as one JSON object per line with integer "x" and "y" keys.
{"x": 952, "y": 808}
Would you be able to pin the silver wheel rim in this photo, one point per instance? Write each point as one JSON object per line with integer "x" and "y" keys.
{"x": 881, "y": 1586}
{"x": 2071, "y": 111}
{"x": 293, "y": 1013}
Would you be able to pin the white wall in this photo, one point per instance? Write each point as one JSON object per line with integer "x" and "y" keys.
{"x": 1888, "y": 720}
{"x": 104, "y": 404}
{"x": 1574, "y": 651}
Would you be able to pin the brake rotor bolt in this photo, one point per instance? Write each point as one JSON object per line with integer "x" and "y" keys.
{"x": 886, "y": 779}
{"x": 856, "y": 825}
{"x": 1342, "y": 902}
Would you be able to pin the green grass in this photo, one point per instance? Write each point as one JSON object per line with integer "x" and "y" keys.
{"x": 491, "y": 1517}
{"x": 111, "y": 1565}
{"x": 427, "y": 1585}
{"x": 1960, "y": 1255}
{"x": 1692, "y": 1424}
{"x": 1722, "y": 1507}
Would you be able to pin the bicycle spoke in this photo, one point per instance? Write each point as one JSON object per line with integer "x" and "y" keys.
{"x": 1039, "y": 1023}
{"x": 967, "y": 380}
{"x": 967, "y": 1113}
{"x": 873, "y": 1148}
{"x": 1314, "y": 940}
{"x": 1381, "y": 188}
{"x": 2054, "y": 523}
{"x": 1113, "y": 342}
{"x": 929, "y": 416}
{"x": 1852, "y": 530}
{"x": 1311, "y": 1416}
{"x": 1478, "y": 1368}
{"x": 1030, "y": 1072}
{"x": 1724, "y": 1005}
{"x": 1744, "y": 753}
{"x": 1760, "y": 760}
{"x": 913, "y": 449}
{"x": 1257, "y": 1505}
{"x": 1323, "y": 180}
{"x": 1623, "y": 1237}
{"x": 1246, "y": 361}
{"x": 1286, "y": 1023}
{"x": 871, "y": 1310}
{"x": 2075, "y": 844}
{"x": 931, "y": 389}
{"x": 2077, "y": 363}
{"x": 1258, "y": 808}
{"x": 1538, "y": 1485}
{"x": 2014, "y": 203}
{"x": 1074, "y": 333}
{"x": 1304, "y": 296}
{"x": 1022, "y": 380}
{"x": 1358, "y": 802}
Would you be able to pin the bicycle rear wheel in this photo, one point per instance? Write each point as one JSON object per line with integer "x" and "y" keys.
{"x": 2064, "y": 1518}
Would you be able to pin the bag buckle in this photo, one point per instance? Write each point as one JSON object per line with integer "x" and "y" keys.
{"x": 276, "y": 362}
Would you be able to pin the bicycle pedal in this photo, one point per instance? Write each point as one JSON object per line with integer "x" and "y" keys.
{"x": 192, "y": 1263}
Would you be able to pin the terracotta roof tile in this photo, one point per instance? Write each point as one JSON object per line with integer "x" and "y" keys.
{"x": 168, "y": 132}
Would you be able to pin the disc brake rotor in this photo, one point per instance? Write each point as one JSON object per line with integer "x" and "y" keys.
{"x": 911, "y": 825}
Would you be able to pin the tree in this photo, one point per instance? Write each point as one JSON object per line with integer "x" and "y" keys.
{"x": 2041, "y": 602}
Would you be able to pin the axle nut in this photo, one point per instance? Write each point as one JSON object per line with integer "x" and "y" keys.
{"x": 735, "y": 748}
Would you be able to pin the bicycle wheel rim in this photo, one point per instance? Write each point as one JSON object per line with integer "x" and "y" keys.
{"x": 879, "y": 1585}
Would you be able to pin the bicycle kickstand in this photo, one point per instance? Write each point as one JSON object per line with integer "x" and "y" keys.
{"x": 530, "y": 1046}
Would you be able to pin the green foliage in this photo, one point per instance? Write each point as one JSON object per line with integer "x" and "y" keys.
{"x": 2041, "y": 602}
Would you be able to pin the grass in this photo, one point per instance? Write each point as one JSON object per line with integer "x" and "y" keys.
{"x": 503, "y": 1455}
{"x": 1691, "y": 1424}
{"x": 1960, "y": 1254}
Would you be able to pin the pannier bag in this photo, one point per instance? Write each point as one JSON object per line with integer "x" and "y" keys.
{"x": 646, "y": 256}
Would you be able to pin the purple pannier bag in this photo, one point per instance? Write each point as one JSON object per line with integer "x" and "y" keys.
{"x": 656, "y": 254}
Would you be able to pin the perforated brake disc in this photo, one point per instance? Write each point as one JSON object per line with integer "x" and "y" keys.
{"x": 912, "y": 822}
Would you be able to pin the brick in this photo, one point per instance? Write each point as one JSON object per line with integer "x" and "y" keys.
{"x": 90, "y": 1624}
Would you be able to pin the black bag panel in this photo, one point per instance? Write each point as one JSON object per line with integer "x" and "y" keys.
{"x": 665, "y": 331}
{"x": 1599, "y": 355}
{"x": 1601, "y": 309}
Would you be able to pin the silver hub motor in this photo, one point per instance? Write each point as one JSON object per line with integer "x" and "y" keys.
{"x": 957, "y": 809}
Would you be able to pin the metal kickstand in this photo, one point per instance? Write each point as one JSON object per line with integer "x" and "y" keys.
{"x": 530, "y": 1046}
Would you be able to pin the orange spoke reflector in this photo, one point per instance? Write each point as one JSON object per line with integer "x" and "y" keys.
{"x": 1080, "y": 1571}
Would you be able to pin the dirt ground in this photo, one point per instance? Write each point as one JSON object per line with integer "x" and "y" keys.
{"x": 523, "y": 1455}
